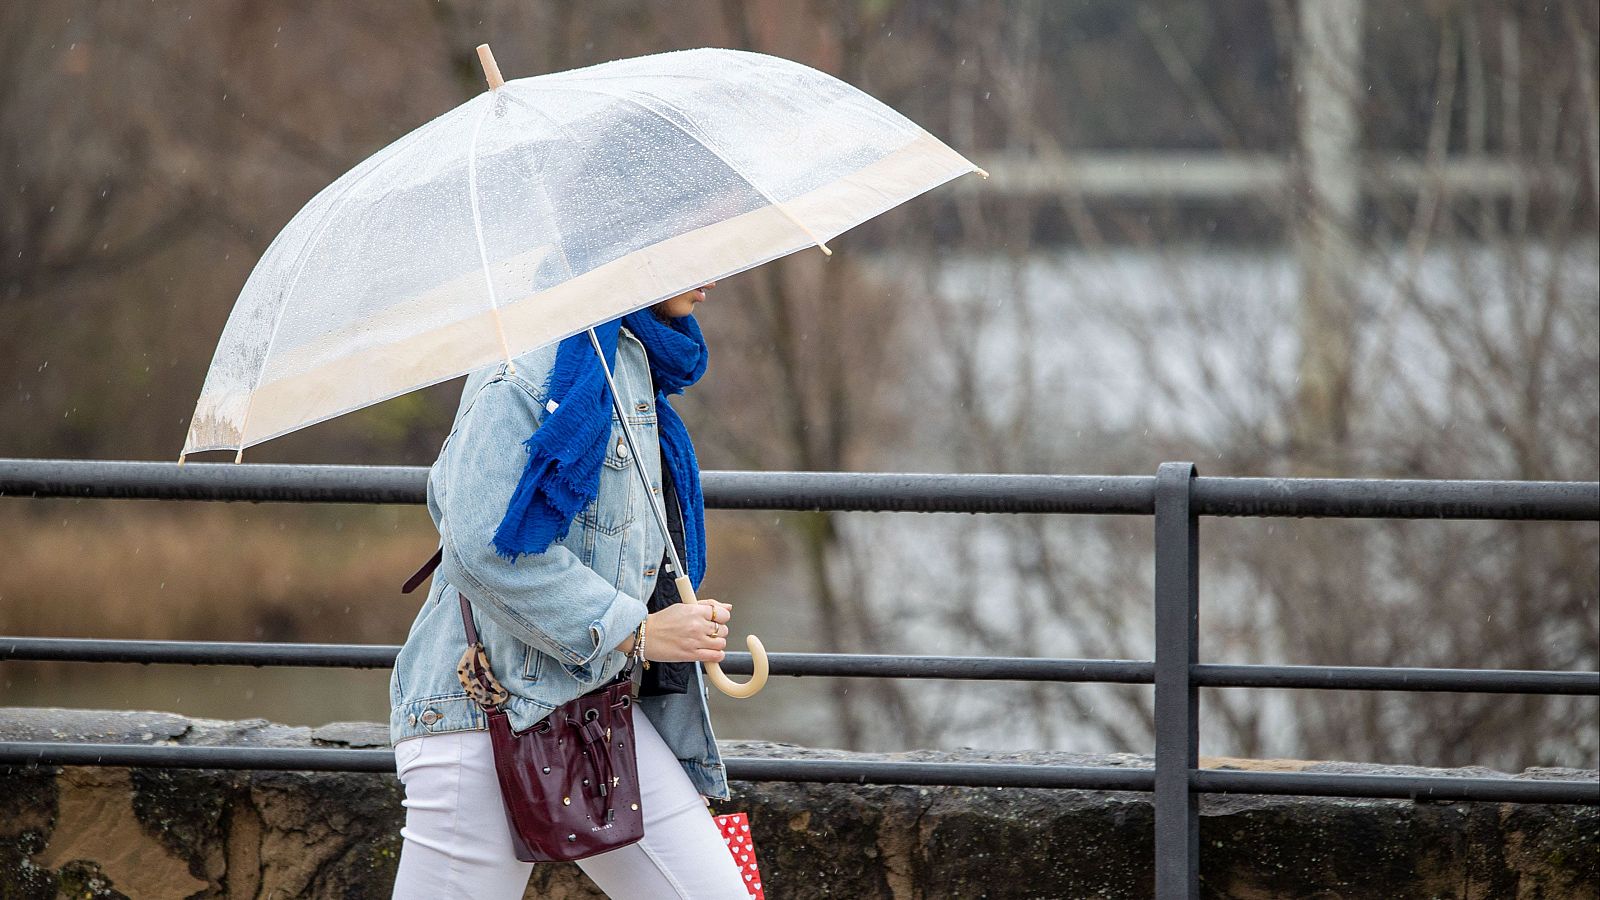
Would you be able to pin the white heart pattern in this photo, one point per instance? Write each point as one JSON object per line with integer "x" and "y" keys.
{"x": 735, "y": 828}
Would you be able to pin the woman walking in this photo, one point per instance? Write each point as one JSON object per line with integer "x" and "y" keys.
{"x": 549, "y": 535}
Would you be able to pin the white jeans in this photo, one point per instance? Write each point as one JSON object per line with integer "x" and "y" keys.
{"x": 457, "y": 842}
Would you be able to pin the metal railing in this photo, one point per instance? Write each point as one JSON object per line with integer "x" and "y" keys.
{"x": 1176, "y": 497}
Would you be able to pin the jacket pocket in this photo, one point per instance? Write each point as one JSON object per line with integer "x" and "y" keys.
{"x": 613, "y": 509}
{"x": 532, "y": 663}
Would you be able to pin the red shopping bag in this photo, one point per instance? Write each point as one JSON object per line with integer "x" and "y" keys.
{"x": 735, "y": 829}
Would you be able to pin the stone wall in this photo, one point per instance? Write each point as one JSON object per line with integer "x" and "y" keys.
{"x": 116, "y": 832}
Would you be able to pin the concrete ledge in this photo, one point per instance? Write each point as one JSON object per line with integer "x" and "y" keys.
{"x": 117, "y": 832}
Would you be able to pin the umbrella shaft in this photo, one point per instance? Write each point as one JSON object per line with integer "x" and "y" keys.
{"x": 656, "y": 506}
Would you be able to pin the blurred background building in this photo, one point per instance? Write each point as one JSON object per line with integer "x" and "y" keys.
{"x": 1328, "y": 237}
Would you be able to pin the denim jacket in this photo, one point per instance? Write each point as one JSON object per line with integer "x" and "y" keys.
{"x": 549, "y": 621}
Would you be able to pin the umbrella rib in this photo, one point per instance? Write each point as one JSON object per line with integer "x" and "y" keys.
{"x": 705, "y": 141}
{"x": 477, "y": 226}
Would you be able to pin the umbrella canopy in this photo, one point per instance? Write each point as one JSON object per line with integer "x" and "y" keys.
{"x": 540, "y": 208}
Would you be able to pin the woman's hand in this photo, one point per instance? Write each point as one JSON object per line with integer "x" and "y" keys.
{"x": 688, "y": 632}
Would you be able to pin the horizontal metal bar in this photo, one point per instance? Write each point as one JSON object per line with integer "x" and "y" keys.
{"x": 1412, "y": 787}
{"x": 1361, "y": 678}
{"x": 739, "y": 768}
{"x": 889, "y": 492}
{"x": 1099, "y": 778}
{"x": 852, "y": 665}
{"x": 380, "y": 656}
{"x": 227, "y": 653}
{"x": 121, "y": 480}
{"x": 1418, "y": 787}
{"x": 886, "y": 492}
{"x": 723, "y": 490}
{"x": 971, "y": 668}
{"x": 167, "y": 756}
{"x": 1398, "y": 498}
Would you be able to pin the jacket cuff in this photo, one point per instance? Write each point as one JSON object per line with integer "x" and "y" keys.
{"x": 621, "y": 618}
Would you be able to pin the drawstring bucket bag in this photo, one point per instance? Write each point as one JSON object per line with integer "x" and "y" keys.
{"x": 570, "y": 782}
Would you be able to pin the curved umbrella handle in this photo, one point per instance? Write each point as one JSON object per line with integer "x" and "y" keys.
{"x": 758, "y": 655}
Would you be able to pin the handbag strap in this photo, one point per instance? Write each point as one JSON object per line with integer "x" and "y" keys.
{"x": 466, "y": 621}
{"x": 421, "y": 575}
{"x": 473, "y": 670}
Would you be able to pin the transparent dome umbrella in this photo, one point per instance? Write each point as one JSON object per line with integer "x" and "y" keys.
{"x": 540, "y": 208}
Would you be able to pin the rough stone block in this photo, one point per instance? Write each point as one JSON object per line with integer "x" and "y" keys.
{"x": 117, "y": 832}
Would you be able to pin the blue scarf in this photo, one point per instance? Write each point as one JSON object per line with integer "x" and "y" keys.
{"x": 566, "y": 452}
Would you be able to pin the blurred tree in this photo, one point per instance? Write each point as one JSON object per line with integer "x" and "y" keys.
{"x": 1405, "y": 288}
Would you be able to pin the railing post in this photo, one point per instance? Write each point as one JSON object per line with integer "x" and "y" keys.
{"x": 1177, "y": 600}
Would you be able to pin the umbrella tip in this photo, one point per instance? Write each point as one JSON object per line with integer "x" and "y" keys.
{"x": 825, "y": 250}
{"x": 982, "y": 173}
{"x": 491, "y": 71}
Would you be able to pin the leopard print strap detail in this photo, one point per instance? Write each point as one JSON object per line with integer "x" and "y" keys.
{"x": 475, "y": 675}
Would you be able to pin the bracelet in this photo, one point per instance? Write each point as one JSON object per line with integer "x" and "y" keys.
{"x": 638, "y": 644}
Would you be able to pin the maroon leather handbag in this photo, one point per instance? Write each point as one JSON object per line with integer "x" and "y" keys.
{"x": 570, "y": 782}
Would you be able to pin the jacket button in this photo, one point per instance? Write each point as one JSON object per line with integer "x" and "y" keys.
{"x": 622, "y": 449}
{"x": 411, "y": 719}
{"x": 430, "y": 716}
